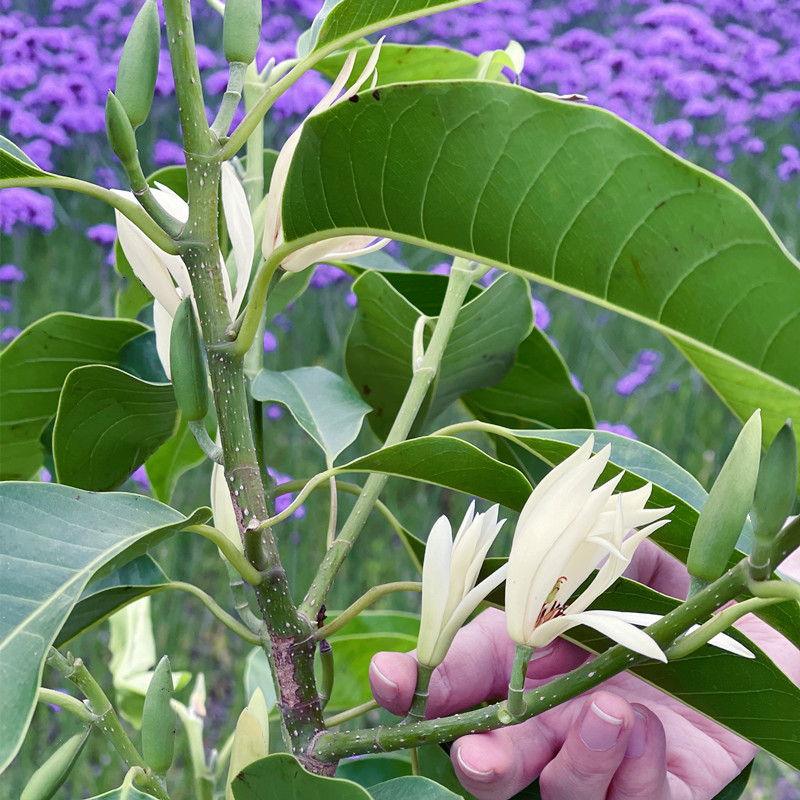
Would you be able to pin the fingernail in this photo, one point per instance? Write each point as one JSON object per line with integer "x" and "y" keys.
{"x": 636, "y": 743}
{"x": 388, "y": 689}
{"x": 599, "y": 730}
{"x": 482, "y": 776}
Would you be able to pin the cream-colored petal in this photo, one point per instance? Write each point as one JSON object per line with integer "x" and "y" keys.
{"x": 338, "y": 248}
{"x": 330, "y": 97}
{"x": 369, "y": 68}
{"x": 222, "y": 506}
{"x": 162, "y": 324}
{"x": 240, "y": 230}
{"x": 146, "y": 265}
{"x": 435, "y": 587}
{"x": 272, "y": 216}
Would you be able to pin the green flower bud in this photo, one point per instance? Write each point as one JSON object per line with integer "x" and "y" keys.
{"x": 158, "y": 720}
{"x": 776, "y": 488}
{"x": 187, "y": 365}
{"x": 45, "y": 782}
{"x": 120, "y": 133}
{"x": 138, "y": 65}
{"x": 725, "y": 511}
{"x": 241, "y": 30}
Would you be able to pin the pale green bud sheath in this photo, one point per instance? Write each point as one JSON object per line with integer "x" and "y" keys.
{"x": 776, "y": 491}
{"x": 725, "y": 510}
{"x": 123, "y": 142}
{"x": 138, "y": 65}
{"x": 241, "y": 30}
{"x": 158, "y": 720}
{"x": 47, "y": 780}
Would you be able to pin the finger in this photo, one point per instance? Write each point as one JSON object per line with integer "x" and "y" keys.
{"x": 659, "y": 570}
{"x": 643, "y": 771}
{"x": 499, "y": 764}
{"x": 592, "y": 751}
{"x": 477, "y": 668}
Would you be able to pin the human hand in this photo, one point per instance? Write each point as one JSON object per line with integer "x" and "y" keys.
{"x": 624, "y": 741}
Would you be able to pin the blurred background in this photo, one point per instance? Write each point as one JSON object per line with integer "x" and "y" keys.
{"x": 716, "y": 81}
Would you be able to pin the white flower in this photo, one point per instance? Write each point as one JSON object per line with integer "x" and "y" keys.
{"x": 564, "y": 531}
{"x": 339, "y": 247}
{"x": 165, "y": 276}
{"x": 449, "y": 572}
{"x": 222, "y": 505}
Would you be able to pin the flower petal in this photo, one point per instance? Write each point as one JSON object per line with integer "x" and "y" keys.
{"x": 222, "y": 506}
{"x": 162, "y": 324}
{"x": 435, "y": 586}
{"x": 240, "y": 229}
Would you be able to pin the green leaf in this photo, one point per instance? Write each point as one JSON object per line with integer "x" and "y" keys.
{"x": 325, "y": 406}
{"x": 366, "y": 771}
{"x": 574, "y": 197}
{"x": 32, "y": 371}
{"x": 287, "y": 290}
{"x": 734, "y": 790}
{"x": 177, "y": 455}
{"x": 280, "y": 777}
{"x": 15, "y": 164}
{"x": 380, "y": 622}
{"x": 352, "y": 655}
{"x": 139, "y": 357}
{"x": 399, "y": 63}
{"x": 102, "y": 598}
{"x": 766, "y": 713}
{"x": 412, "y": 787}
{"x": 435, "y": 763}
{"x": 449, "y": 462}
{"x": 108, "y": 424}
{"x": 258, "y": 675}
{"x": 347, "y": 20}
{"x": 55, "y": 540}
{"x": 480, "y": 352}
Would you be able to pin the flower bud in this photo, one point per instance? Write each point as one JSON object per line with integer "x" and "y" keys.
{"x": 725, "y": 510}
{"x": 776, "y": 488}
{"x": 45, "y": 782}
{"x": 250, "y": 739}
{"x": 138, "y": 65}
{"x": 241, "y": 30}
{"x": 120, "y": 133}
{"x": 158, "y": 720}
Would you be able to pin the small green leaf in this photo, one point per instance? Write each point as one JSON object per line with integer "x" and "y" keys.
{"x": 281, "y": 777}
{"x": 735, "y": 789}
{"x": 108, "y": 424}
{"x": 412, "y": 787}
{"x": 139, "y": 357}
{"x": 366, "y": 771}
{"x": 177, "y": 455}
{"x": 325, "y": 406}
{"x": 101, "y": 598}
{"x": 32, "y": 371}
{"x": 55, "y": 540}
{"x": 380, "y": 622}
{"x": 449, "y": 462}
{"x": 480, "y": 351}
{"x": 15, "y": 164}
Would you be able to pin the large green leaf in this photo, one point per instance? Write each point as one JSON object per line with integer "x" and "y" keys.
{"x": 32, "y": 371}
{"x": 177, "y": 455}
{"x": 480, "y": 352}
{"x": 367, "y": 771}
{"x": 574, "y": 197}
{"x": 15, "y": 164}
{"x": 412, "y": 787}
{"x": 324, "y": 405}
{"x": 341, "y": 22}
{"x": 108, "y": 424}
{"x": 280, "y": 777}
{"x": 449, "y": 462}
{"x": 55, "y": 539}
{"x": 406, "y": 62}
{"x": 101, "y": 598}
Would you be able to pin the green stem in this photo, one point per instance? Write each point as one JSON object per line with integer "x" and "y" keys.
{"x": 780, "y": 590}
{"x": 308, "y": 487}
{"x": 334, "y": 745}
{"x": 460, "y": 280}
{"x": 230, "y": 550}
{"x": 246, "y": 325}
{"x": 240, "y": 601}
{"x": 130, "y": 777}
{"x": 197, "y": 427}
{"x": 334, "y": 510}
{"x": 254, "y": 176}
{"x": 364, "y": 602}
{"x": 696, "y": 585}
{"x": 105, "y": 718}
{"x": 67, "y": 702}
{"x": 516, "y": 688}
{"x": 327, "y": 668}
{"x": 128, "y": 208}
{"x": 420, "y": 700}
{"x": 230, "y": 100}
{"x": 351, "y": 713}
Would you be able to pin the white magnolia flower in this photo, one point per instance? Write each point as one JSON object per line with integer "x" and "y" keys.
{"x": 165, "y": 276}
{"x": 564, "y": 531}
{"x": 449, "y": 572}
{"x": 339, "y": 247}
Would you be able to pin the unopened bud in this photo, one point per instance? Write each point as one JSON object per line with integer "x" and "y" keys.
{"x": 776, "y": 489}
{"x": 120, "y": 132}
{"x": 158, "y": 720}
{"x": 138, "y": 65}
{"x": 241, "y": 30}
{"x": 45, "y": 782}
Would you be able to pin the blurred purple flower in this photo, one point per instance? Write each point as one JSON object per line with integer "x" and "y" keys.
{"x": 103, "y": 234}
{"x": 10, "y": 273}
{"x": 647, "y": 364}
{"x": 270, "y": 342}
{"x": 6, "y": 305}
{"x": 282, "y": 502}
{"x": 282, "y": 321}
{"x": 140, "y": 478}
{"x": 326, "y": 275}
{"x": 351, "y": 299}
{"x": 541, "y": 313}
{"x": 274, "y": 411}
{"x": 8, "y": 334}
{"x": 441, "y": 269}
{"x": 166, "y": 153}
{"x": 25, "y": 206}
{"x": 576, "y": 382}
{"x": 45, "y": 476}
{"x": 791, "y": 163}
{"x": 620, "y": 428}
